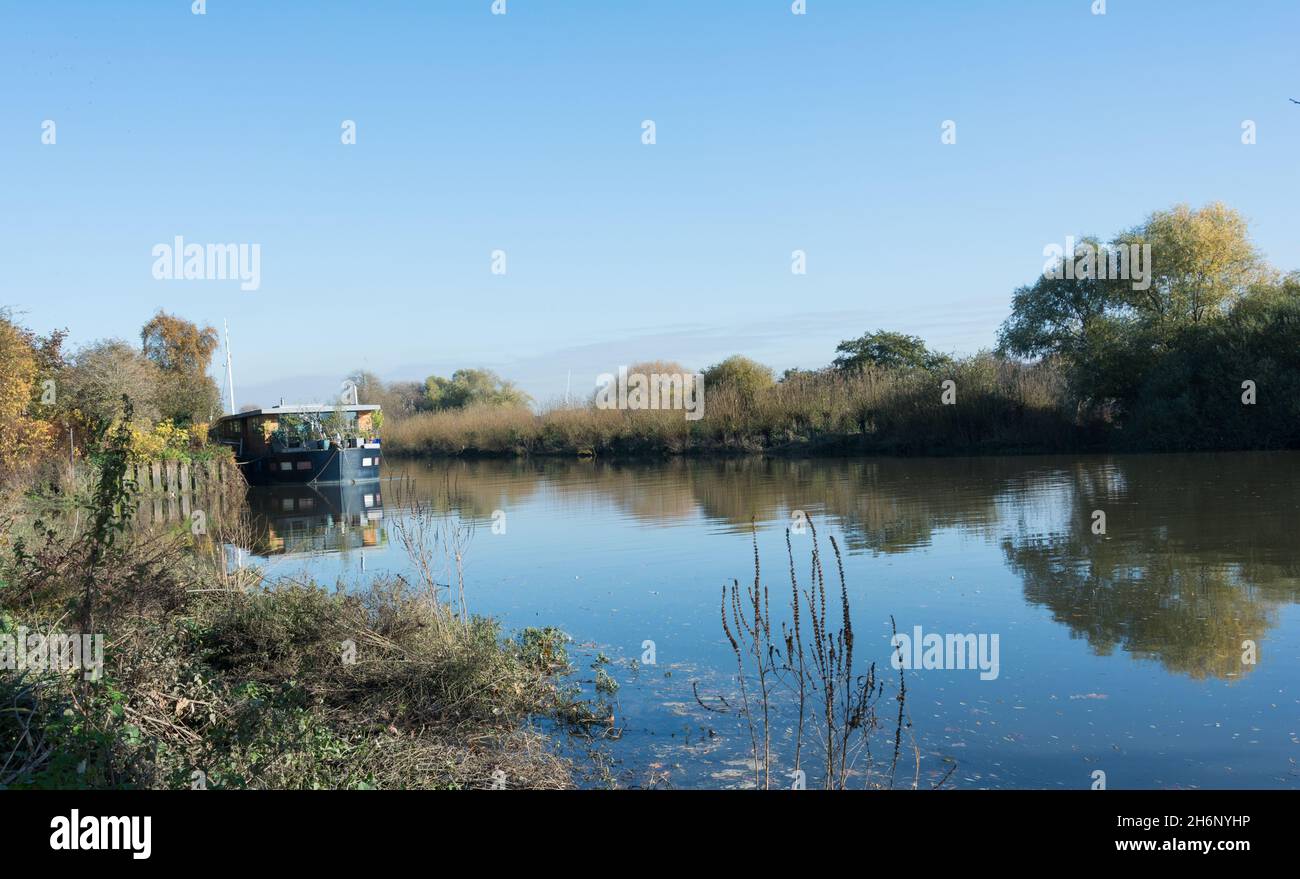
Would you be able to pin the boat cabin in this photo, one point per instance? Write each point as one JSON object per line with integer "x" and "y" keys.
{"x": 260, "y": 432}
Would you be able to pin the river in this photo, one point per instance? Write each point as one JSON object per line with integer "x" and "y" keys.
{"x": 1156, "y": 645}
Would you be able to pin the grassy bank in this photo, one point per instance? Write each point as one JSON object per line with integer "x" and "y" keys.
{"x": 223, "y": 679}
{"x": 999, "y": 406}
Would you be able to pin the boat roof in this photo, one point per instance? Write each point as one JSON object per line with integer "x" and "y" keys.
{"x": 300, "y": 409}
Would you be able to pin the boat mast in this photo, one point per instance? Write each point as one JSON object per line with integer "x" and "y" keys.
{"x": 230, "y": 375}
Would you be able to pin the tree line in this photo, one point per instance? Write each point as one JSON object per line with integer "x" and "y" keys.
{"x": 47, "y": 391}
{"x": 1203, "y": 351}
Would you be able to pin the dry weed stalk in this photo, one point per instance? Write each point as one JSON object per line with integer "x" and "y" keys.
{"x": 836, "y": 706}
{"x": 435, "y": 540}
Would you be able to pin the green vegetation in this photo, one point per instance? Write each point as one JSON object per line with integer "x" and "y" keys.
{"x": 604, "y": 682}
{"x": 472, "y": 387}
{"x": 27, "y": 429}
{"x": 1165, "y": 366}
{"x": 49, "y": 398}
{"x": 886, "y": 350}
{"x": 1002, "y": 405}
{"x": 228, "y": 679}
{"x": 1198, "y": 347}
{"x": 181, "y": 352}
{"x": 744, "y": 377}
{"x": 221, "y": 678}
{"x": 467, "y": 388}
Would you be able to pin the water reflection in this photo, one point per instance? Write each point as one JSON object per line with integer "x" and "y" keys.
{"x": 1197, "y": 556}
{"x": 1122, "y": 649}
{"x": 303, "y": 520}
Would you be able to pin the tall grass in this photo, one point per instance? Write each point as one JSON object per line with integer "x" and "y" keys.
{"x": 1000, "y": 405}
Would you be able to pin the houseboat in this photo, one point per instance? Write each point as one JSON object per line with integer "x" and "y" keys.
{"x": 307, "y": 444}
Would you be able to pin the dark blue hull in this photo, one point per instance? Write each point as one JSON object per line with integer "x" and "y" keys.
{"x": 312, "y": 466}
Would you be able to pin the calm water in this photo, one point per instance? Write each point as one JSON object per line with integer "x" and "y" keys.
{"x": 1119, "y": 652}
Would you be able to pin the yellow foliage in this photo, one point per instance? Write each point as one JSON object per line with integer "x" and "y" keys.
{"x": 22, "y": 438}
{"x": 165, "y": 441}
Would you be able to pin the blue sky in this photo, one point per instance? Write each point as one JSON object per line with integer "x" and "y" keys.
{"x": 522, "y": 132}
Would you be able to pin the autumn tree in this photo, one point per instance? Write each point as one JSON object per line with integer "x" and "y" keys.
{"x": 1202, "y": 262}
{"x": 1165, "y": 350}
{"x": 397, "y": 398}
{"x": 182, "y": 351}
{"x": 102, "y": 373}
{"x": 370, "y": 387}
{"x": 23, "y": 436}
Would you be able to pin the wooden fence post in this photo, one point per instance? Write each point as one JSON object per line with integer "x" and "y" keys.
{"x": 187, "y": 488}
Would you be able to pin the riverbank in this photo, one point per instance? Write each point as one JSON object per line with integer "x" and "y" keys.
{"x": 979, "y": 405}
{"x": 196, "y": 674}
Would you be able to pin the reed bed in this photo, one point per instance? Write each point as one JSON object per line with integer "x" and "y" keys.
{"x": 999, "y": 405}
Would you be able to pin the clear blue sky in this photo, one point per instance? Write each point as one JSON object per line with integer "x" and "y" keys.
{"x": 523, "y": 132}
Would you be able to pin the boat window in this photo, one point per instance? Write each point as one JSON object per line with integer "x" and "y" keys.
{"x": 304, "y": 465}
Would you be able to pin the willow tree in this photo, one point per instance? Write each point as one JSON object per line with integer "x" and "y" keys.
{"x": 1203, "y": 262}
